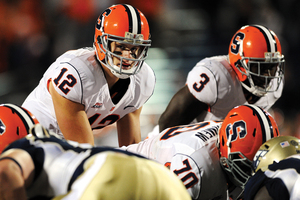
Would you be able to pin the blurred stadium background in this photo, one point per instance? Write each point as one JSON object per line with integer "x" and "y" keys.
{"x": 35, "y": 32}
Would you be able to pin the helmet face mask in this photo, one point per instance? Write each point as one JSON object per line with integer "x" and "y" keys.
{"x": 238, "y": 167}
{"x": 123, "y": 25}
{"x": 260, "y": 74}
{"x": 243, "y": 131}
{"x": 255, "y": 55}
{"x": 136, "y": 61}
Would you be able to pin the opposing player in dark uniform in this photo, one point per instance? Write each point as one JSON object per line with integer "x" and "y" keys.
{"x": 47, "y": 167}
{"x": 277, "y": 171}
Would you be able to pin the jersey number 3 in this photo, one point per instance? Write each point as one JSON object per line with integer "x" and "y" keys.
{"x": 65, "y": 85}
{"x": 204, "y": 80}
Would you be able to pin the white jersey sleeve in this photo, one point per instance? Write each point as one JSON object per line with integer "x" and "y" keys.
{"x": 72, "y": 77}
{"x": 202, "y": 84}
{"x": 67, "y": 82}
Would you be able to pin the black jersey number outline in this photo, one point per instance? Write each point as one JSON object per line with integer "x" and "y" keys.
{"x": 66, "y": 84}
{"x": 202, "y": 83}
{"x": 180, "y": 129}
{"x": 110, "y": 118}
{"x": 189, "y": 176}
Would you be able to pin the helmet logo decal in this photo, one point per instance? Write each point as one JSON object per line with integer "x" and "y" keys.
{"x": 100, "y": 20}
{"x": 284, "y": 144}
{"x": 237, "y": 129}
{"x": 2, "y": 127}
{"x": 258, "y": 156}
{"x": 235, "y": 47}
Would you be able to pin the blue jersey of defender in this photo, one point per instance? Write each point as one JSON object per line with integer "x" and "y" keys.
{"x": 57, "y": 162}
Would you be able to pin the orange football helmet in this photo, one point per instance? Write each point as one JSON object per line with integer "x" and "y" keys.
{"x": 255, "y": 55}
{"x": 124, "y": 24}
{"x": 243, "y": 131}
{"x": 15, "y": 123}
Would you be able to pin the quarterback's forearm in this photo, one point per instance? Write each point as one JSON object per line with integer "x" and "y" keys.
{"x": 129, "y": 131}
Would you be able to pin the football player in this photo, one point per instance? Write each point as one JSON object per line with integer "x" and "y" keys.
{"x": 48, "y": 167}
{"x": 277, "y": 170}
{"x": 15, "y": 123}
{"x": 251, "y": 73}
{"x": 212, "y": 157}
{"x": 90, "y": 88}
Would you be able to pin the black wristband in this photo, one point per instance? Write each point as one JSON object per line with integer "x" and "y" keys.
{"x": 10, "y": 158}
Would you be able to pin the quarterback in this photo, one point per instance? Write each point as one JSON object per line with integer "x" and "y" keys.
{"x": 212, "y": 158}
{"x": 90, "y": 88}
{"x": 251, "y": 73}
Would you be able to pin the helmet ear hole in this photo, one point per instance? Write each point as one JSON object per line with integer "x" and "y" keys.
{"x": 254, "y": 132}
{"x": 99, "y": 40}
{"x": 223, "y": 142}
{"x": 240, "y": 67}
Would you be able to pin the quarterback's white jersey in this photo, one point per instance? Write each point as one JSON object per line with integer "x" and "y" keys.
{"x": 214, "y": 82}
{"x": 77, "y": 76}
{"x": 191, "y": 153}
{"x": 282, "y": 180}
